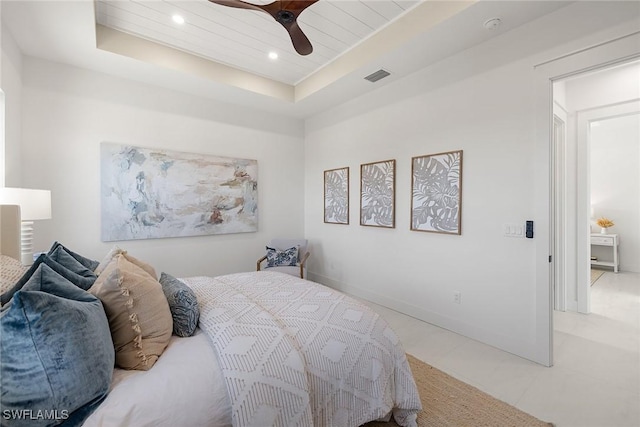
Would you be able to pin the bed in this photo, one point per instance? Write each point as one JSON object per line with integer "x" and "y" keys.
{"x": 233, "y": 312}
{"x": 268, "y": 349}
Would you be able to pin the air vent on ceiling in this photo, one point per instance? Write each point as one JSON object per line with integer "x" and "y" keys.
{"x": 375, "y": 76}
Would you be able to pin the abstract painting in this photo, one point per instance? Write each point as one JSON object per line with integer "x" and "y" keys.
{"x": 148, "y": 193}
{"x": 336, "y": 196}
{"x": 377, "y": 194}
{"x": 436, "y": 192}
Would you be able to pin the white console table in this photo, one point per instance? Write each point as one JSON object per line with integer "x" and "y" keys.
{"x": 610, "y": 240}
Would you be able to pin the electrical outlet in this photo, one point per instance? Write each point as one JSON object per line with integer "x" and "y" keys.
{"x": 457, "y": 297}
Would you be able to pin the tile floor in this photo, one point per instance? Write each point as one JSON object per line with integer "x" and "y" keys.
{"x": 595, "y": 380}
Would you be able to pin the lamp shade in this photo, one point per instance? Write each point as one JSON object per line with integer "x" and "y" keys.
{"x": 34, "y": 204}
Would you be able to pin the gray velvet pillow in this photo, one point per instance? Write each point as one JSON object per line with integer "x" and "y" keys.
{"x": 82, "y": 281}
{"x": 88, "y": 263}
{"x": 56, "y": 352}
{"x": 183, "y": 305}
{"x": 61, "y": 256}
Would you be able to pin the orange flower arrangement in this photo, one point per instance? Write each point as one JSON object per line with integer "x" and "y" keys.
{"x": 604, "y": 222}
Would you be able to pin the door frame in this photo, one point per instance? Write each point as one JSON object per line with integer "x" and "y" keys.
{"x": 603, "y": 55}
{"x": 559, "y": 221}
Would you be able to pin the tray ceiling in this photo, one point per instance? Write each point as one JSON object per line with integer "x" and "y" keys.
{"x": 221, "y": 53}
{"x": 243, "y": 38}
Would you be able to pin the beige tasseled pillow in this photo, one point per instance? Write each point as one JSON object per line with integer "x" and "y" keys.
{"x": 116, "y": 251}
{"x": 138, "y": 313}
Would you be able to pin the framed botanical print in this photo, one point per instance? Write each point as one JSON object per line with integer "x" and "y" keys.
{"x": 378, "y": 194}
{"x": 436, "y": 192}
{"x": 336, "y": 196}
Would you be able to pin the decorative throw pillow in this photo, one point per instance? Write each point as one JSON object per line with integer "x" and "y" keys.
{"x": 287, "y": 257}
{"x": 107, "y": 259}
{"x": 56, "y": 352}
{"x": 138, "y": 313}
{"x": 115, "y": 251}
{"x": 83, "y": 282}
{"x": 11, "y": 270}
{"x": 90, "y": 264}
{"x": 63, "y": 258}
{"x": 183, "y": 305}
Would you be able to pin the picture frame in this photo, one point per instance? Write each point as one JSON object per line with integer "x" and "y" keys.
{"x": 151, "y": 193}
{"x": 336, "y": 196}
{"x": 436, "y": 193}
{"x": 378, "y": 194}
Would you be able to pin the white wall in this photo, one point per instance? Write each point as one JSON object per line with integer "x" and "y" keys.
{"x": 415, "y": 272}
{"x": 2, "y": 104}
{"x": 68, "y": 112}
{"x": 11, "y": 85}
{"x": 603, "y": 87}
{"x": 481, "y": 101}
{"x": 615, "y": 183}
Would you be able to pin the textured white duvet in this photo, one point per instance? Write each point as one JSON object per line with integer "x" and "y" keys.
{"x": 296, "y": 353}
{"x": 273, "y": 350}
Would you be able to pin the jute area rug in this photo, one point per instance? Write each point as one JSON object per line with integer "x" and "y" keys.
{"x": 448, "y": 402}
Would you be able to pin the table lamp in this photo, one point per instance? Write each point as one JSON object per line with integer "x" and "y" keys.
{"x": 34, "y": 205}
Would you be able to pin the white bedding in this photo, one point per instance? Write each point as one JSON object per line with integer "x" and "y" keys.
{"x": 296, "y": 353}
{"x": 184, "y": 388}
{"x": 273, "y": 349}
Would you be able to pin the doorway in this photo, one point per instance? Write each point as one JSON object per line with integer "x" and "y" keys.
{"x": 616, "y": 51}
{"x": 580, "y": 102}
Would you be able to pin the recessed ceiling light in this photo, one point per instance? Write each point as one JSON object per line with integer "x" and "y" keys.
{"x": 273, "y": 55}
{"x": 178, "y": 19}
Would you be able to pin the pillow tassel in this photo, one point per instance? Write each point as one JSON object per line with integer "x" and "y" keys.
{"x": 137, "y": 343}
{"x": 143, "y": 358}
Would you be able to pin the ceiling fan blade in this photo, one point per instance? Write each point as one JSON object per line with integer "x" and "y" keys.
{"x": 284, "y": 12}
{"x": 301, "y": 43}
{"x": 295, "y": 6}
{"x": 238, "y": 4}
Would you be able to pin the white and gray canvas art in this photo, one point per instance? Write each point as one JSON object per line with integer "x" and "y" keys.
{"x": 377, "y": 194}
{"x": 148, "y": 193}
{"x": 436, "y": 192}
{"x": 336, "y": 196}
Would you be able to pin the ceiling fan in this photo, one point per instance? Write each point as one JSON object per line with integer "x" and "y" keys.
{"x": 286, "y": 13}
